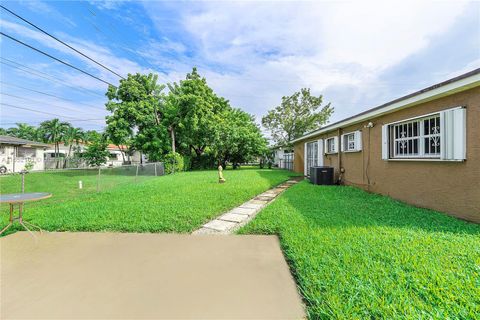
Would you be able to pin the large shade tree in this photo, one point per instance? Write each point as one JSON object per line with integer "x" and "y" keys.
{"x": 296, "y": 115}
{"x": 137, "y": 107}
{"x": 192, "y": 113}
{"x": 239, "y": 139}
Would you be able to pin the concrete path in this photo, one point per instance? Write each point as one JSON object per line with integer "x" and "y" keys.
{"x": 232, "y": 220}
{"x": 145, "y": 276}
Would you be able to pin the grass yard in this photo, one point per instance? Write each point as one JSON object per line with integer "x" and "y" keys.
{"x": 173, "y": 203}
{"x": 357, "y": 255}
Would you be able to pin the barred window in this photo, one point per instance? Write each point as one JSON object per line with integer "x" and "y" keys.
{"x": 419, "y": 138}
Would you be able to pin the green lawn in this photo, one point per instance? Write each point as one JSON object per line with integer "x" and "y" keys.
{"x": 357, "y": 255}
{"x": 173, "y": 203}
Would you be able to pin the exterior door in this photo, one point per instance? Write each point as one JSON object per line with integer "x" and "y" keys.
{"x": 311, "y": 159}
{"x": 313, "y": 155}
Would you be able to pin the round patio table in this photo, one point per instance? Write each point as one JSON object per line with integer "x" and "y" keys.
{"x": 19, "y": 199}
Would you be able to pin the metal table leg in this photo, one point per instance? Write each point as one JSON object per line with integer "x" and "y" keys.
{"x": 10, "y": 220}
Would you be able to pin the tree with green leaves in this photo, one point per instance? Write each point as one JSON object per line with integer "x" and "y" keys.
{"x": 295, "y": 116}
{"x": 137, "y": 106}
{"x": 24, "y": 131}
{"x": 96, "y": 152}
{"x": 71, "y": 137}
{"x": 53, "y": 131}
{"x": 192, "y": 113}
{"x": 239, "y": 139}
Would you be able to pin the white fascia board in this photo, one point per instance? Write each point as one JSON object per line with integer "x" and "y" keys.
{"x": 436, "y": 93}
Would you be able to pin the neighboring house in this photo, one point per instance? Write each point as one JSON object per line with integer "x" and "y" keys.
{"x": 117, "y": 159}
{"x": 283, "y": 157}
{"x": 114, "y": 159}
{"x": 75, "y": 151}
{"x": 15, "y": 153}
{"x": 423, "y": 148}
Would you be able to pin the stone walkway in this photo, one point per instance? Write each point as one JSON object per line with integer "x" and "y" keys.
{"x": 234, "y": 219}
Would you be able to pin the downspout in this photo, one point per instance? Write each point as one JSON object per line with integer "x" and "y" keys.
{"x": 339, "y": 156}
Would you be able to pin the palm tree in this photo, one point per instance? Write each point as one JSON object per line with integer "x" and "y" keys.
{"x": 53, "y": 132}
{"x": 24, "y": 131}
{"x": 72, "y": 135}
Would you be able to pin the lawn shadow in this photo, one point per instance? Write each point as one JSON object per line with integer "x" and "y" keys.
{"x": 345, "y": 206}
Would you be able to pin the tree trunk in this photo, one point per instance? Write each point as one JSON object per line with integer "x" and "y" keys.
{"x": 122, "y": 152}
{"x": 57, "y": 152}
{"x": 68, "y": 157}
{"x": 172, "y": 135}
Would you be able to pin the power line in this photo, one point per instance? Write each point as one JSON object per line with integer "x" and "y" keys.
{"x": 38, "y": 111}
{"x": 36, "y": 101}
{"x": 47, "y": 76}
{"x": 49, "y": 94}
{"x": 38, "y": 122}
{"x": 54, "y": 58}
{"x": 62, "y": 42}
{"x": 114, "y": 32}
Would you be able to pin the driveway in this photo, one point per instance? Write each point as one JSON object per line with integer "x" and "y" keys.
{"x": 145, "y": 276}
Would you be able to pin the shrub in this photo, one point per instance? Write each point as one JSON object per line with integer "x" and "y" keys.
{"x": 173, "y": 162}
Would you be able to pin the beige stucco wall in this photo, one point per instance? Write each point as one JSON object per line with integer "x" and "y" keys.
{"x": 13, "y": 163}
{"x": 451, "y": 187}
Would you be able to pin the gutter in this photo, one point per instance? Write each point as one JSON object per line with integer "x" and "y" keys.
{"x": 461, "y": 83}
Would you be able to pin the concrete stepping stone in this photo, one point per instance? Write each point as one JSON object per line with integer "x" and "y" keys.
{"x": 219, "y": 225}
{"x": 244, "y": 211}
{"x": 252, "y": 205}
{"x": 233, "y": 217}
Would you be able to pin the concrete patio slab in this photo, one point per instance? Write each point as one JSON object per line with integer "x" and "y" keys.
{"x": 145, "y": 276}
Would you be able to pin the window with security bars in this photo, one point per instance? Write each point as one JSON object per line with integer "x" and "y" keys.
{"x": 419, "y": 138}
{"x": 312, "y": 155}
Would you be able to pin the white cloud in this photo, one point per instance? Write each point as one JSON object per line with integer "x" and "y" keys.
{"x": 273, "y": 49}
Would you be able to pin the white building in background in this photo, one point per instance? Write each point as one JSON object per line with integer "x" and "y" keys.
{"x": 283, "y": 157}
{"x": 15, "y": 153}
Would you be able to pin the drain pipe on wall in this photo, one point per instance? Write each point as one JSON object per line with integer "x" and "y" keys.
{"x": 339, "y": 156}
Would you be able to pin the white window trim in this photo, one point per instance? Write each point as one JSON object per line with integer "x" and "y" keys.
{"x": 386, "y": 144}
{"x": 335, "y": 151}
{"x": 357, "y": 139}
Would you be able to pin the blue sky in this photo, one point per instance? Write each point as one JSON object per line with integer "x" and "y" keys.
{"x": 357, "y": 54}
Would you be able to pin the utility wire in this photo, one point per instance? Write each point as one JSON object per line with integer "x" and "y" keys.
{"x": 54, "y": 58}
{"x": 38, "y": 122}
{"x": 62, "y": 42}
{"x": 50, "y": 95}
{"x": 119, "y": 43}
{"x": 38, "y": 111}
{"x": 47, "y": 76}
{"x": 37, "y": 101}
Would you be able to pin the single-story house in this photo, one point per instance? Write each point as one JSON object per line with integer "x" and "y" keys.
{"x": 15, "y": 153}
{"x": 423, "y": 148}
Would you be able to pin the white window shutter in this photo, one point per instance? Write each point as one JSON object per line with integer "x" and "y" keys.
{"x": 335, "y": 139}
{"x": 342, "y": 143}
{"x": 453, "y": 134}
{"x": 385, "y": 142}
{"x": 305, "y": 159}
{"x": 325, "y": 146}
{"x": 358, "y": 140}
{"x": 320, "y": 152}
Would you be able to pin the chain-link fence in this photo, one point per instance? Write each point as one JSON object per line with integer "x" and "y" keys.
{"x": 70, "y": 183}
